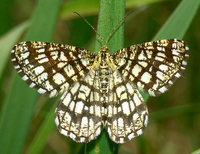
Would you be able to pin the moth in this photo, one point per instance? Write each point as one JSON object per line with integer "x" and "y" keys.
{"x": 101, "y": 90}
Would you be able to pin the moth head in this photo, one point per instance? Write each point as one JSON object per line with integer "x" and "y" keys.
{"x": 104, "y": 49}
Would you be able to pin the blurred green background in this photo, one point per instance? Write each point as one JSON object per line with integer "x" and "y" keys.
{"x": 27, "y": 119}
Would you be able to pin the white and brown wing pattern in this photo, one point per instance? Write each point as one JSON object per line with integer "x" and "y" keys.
{"x": 49, "y": 67}
{"x": 79, "y": 112}
{"x": 153, "y": 66}
{"x": 100, "y": 90}
{"x": 127, "y": 114}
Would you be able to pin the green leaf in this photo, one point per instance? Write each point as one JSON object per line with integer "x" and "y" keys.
{"x": 186, "y": 109}
{"x": 180, "y": 20}
{"x": 20, "y": 103}
{"x": 8, "y": 41}
{"x": 43, "y": 21}
{"x": 39, "y": 140}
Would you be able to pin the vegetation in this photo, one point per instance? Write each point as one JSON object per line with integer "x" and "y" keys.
{"x": 27, "y": 119}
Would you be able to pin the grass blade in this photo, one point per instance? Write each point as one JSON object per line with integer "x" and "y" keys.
{"x": 16, "y": 116}
{"x": 44, "y": 131}
{"x": 8, "y": 41}
{"x": 19, "y": 106}
{"x": 180, "y": 20}
{"x": 44, "y": 21}
{"x": 180, "y": 110}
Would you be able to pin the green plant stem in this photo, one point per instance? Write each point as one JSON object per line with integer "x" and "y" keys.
{"x": 111, "y": 12}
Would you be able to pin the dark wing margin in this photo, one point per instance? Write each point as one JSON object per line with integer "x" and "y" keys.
{"x": 153, "y": 66}
{"x": 50, "y": 68}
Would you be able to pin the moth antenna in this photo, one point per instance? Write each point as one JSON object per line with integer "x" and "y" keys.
{"x": 91, "y": 27}
{"x": 116, "y": 26}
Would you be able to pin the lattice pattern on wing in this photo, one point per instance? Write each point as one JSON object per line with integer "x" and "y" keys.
{"x": 79, "y": 113}
{"x": 127, "y": 113}
{"x": 153, "y": 66}
{"x": 49, "y": 67}
{"x": 100, "y": 90}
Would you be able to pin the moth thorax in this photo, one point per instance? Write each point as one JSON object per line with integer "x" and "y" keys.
{"x": 104, "y": 75}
